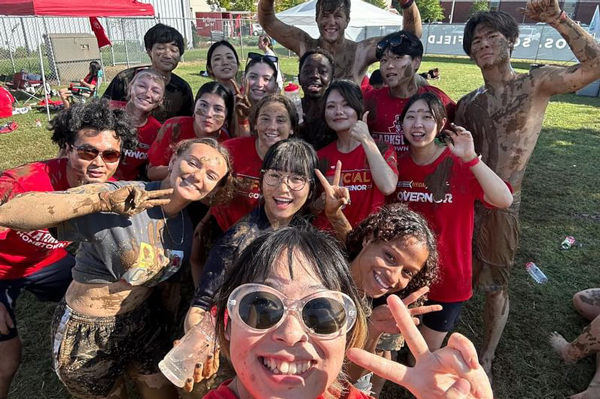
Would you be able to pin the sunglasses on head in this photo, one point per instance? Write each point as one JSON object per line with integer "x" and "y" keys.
{"x": 90, "y": 153}
{"x": 259, "y": 57}
{"x": 392, "y": 43}
{"x": 323, "y": 314}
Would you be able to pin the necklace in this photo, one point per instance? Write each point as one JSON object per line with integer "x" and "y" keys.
{"x": 169, "y": 231}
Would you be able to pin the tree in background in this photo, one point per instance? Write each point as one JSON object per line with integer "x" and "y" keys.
{"x": 478, "y": 5}
{"x": 242, "y": 5}
{"x": 282, "y": 5}
{"x": 430, "y": 10}
{"x": 378, "y": 3}
{"x": 218, "y": 4}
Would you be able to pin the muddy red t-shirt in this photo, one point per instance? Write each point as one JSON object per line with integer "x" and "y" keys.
{"x": 172, "y": 132}
{"x": 246, "y": 171}
{"x": 224, "y": 392}
{"x": 385, "y": 111}
{"x": 24, "y": 253}
{"x": 134, "y": 161}
{"x": 444, "y": 192}
{"x": 365, "y": 197}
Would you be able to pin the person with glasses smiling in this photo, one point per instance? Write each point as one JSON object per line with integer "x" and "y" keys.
{"x": 93, "y": 136}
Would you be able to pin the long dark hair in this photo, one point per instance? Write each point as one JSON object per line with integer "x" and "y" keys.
{"x": 212, "y": 49}
{"x": 221, "y": 91}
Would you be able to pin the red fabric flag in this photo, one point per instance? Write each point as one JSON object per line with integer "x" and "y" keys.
{"x": 100, "y": 33}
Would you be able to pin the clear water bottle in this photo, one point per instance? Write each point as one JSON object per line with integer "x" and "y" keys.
{"x": 292, "y": 91}
{"x": 195, "y": 346}
{"x": 536, "y": 273}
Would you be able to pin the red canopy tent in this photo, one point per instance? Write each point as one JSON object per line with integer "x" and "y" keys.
{"x": 73, "y": 8}
{"x": 76, "y": 8}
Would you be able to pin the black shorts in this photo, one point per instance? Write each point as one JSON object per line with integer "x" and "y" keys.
{"x": 47, "y": 284}
{"x": 445, "y": 319}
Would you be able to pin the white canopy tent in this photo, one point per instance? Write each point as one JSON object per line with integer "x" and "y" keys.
{"x": 366, "y": 20}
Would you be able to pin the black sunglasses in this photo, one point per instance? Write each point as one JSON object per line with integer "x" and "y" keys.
{"x": 260, "y": 57}
{"x": 392, "y": 43}
{"x": 90, "y": 153}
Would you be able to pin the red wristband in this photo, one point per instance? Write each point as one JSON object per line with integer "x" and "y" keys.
{"x": 473, "y": 161}
{"x": 244, "y": 122}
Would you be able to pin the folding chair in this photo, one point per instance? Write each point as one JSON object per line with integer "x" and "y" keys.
{"x": 33, "y": 90}
{"x": 83, "y": 93}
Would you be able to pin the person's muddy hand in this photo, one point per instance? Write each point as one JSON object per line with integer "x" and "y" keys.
{"x": 452, "y": 372}
{"x": 360, "y": 130}
{"x": 6, "y": 322}
{"x": 335, "y": 196}
{"x": 242, "y": 102}
{"x": 547, "y": 11}
{"x": 419, "y": 310}
{"x": 461, "y": 143}
{"x": 131, "y": 200}
{"x": 203, "y": 371}
{"x": 381, "y": 320}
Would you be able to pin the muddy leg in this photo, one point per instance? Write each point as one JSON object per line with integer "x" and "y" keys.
{"x": 11, "y": 358}
{"x": 587, "y": 303}
{"x": 495, "y": 315}
{"x": 593, "y": 390}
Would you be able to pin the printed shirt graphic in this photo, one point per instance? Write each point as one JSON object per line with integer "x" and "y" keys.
{"x": 385, "y": 111}
{"x": 365, "y": 197}
{"x": 141, "y": 249}
{"x": 246, "y": 171}
{"x": 24, "y": 253}
{"x": 172, "y": 132}
{"x": 444, "y": 192}
{"x": 133, "y": 161}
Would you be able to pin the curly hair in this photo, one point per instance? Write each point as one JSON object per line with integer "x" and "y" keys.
{"x": 96, "y": 114}
{"x": 392, "y": 222}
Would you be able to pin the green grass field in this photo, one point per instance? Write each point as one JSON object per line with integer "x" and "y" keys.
{"x": 561, "y": 197}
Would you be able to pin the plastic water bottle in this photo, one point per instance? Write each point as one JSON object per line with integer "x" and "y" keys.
{"x": 195, "y": 346}
{"x": 536, "y": 273}
{"x": 292, "y": 91}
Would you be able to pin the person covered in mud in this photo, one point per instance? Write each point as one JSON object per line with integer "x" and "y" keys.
{"x": 351, "y": 58}
{"x": 587, "y": 304}
{"x": 316, "y": 70}
{"x": 399, "y": 56}
{"x": 442, "y": 183}
{"x": 92, "y": 136}
{"x": 505, "y": 116}
{"x": 133, "y": 236}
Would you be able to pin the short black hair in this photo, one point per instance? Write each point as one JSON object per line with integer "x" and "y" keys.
{"x": 293, "y": 156}
{"x": 331, "y": 6}
{"x": 212, "y": 49}
{"x": 435, "y": 105}
{"x": 318, "y": 51}
{"x": 376, "y": 79}
{"x": 95, "y": 114}
{"x": 411, "y": 45}
{"x": 497, "y": 20}
{"x": 161, "y": 33}
{"x": 218, "y": 89}
{"x": 351, "y": 93}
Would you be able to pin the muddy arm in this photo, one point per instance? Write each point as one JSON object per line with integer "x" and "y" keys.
{"x": 557, "y": 80}
{"x": 290, "y": 37}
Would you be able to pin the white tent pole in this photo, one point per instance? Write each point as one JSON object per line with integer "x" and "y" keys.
{"x": 38, "y": 34}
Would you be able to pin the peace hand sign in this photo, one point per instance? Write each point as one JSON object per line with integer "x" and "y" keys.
{"x": 336, "y": 196}
{"x": 131, "y": 200}
{"x": 242, "y": 102}
{"x": 452, "y": 372}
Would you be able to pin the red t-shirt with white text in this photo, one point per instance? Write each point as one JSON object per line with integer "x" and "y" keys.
{"x": 444, "y": 192}
{"x": 172, "y": 132}
{"x": 246, "y": 171}
{"x": 224, "y": 392}
{"x": 24, "y": 253}
{"x": 133, "y": 161}
{"x": 385, "y": 111}
{"x": 365, "y": 197}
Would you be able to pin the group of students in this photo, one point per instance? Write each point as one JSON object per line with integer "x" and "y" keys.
{"x": 231, "y": 183}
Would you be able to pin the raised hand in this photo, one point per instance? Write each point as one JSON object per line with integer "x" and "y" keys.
{"x": 452, "y": 372}
{"x": 542, "y": 10}
{"x": 461, "y": 143}
{"x": 131, "y": 200}
{"x": 360, "y": 130}
{"x": 335, "y": 196}
{"x": 242, "y": 102}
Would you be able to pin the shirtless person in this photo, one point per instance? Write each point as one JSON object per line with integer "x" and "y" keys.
{"x": 351, "y": 58}
{"x": 505, "y": 116}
